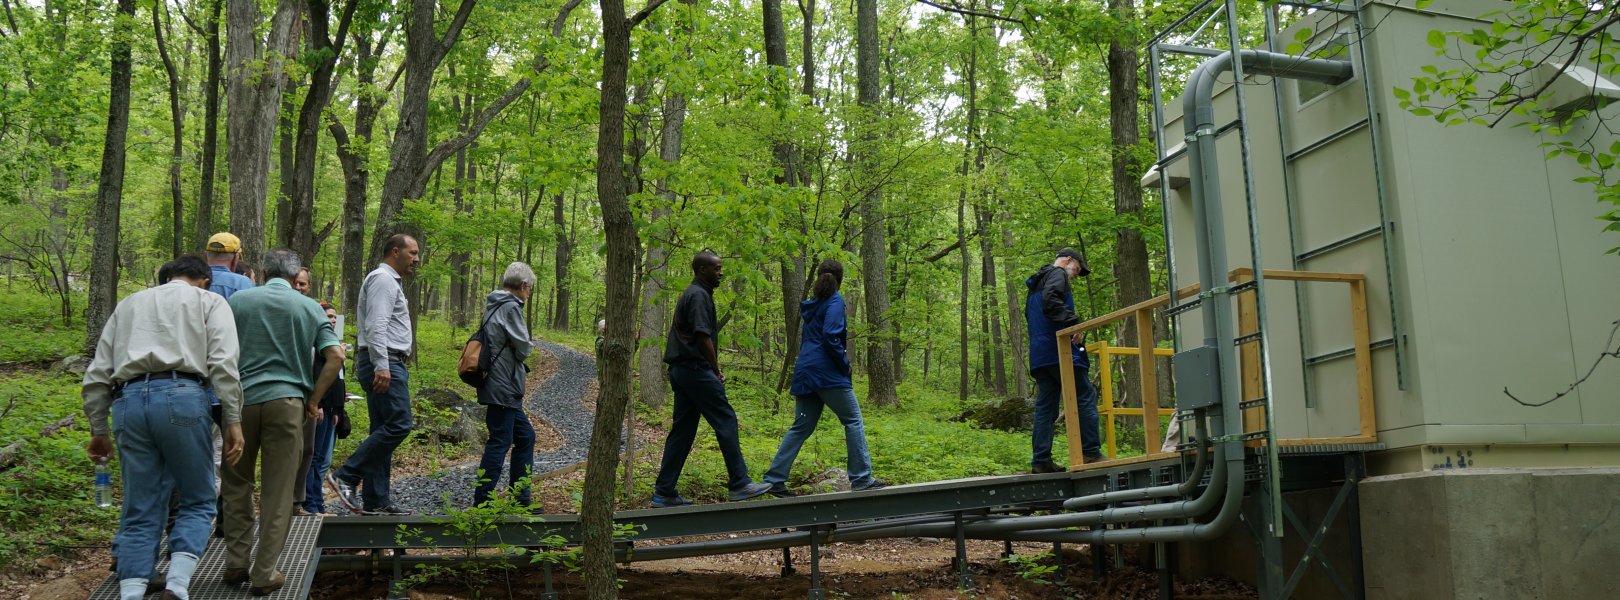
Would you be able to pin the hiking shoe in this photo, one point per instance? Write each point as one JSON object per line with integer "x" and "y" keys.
{"x": 236, "y": 577}
{"x": 387, "y": 511}
{"x": 782, "y": 491}
{"x": 1096, "y": 458}
{"x": 347, "y": 495}
{"x": 669, "y": 501}
{"x": 752, "y": 490}
{"x": 275, "y": 584}
{"x": 1047, "y": 467}
{"x": 876, "y": 484}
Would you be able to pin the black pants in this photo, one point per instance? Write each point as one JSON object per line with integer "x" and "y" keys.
{"x": 700, "y": 394}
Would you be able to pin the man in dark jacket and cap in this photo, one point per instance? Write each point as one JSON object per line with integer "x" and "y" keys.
{"x": 506, "y": 339}
{"x": 1049, "y": 308}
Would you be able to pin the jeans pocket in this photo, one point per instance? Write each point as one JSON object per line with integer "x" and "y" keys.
{"x": 187, "y": 406}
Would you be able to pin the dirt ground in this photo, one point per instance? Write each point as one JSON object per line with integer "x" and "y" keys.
{"x": 917, "y": 569}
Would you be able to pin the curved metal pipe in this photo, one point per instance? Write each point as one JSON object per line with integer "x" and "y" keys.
{"x": 1200, "y": 466}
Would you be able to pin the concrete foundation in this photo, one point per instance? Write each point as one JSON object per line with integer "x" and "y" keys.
{"x": 1485, "y": 534}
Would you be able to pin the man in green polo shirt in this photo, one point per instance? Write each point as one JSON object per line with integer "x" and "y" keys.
{"x": 278, "y": 329}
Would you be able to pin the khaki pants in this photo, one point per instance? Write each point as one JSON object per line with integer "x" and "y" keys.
{"x": 275, "y": 430}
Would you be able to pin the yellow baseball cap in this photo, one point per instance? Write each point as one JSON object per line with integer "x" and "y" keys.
{"x": 224, "y": 242}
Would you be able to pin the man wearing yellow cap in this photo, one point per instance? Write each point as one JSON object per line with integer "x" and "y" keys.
{"x": 222, "y": 252}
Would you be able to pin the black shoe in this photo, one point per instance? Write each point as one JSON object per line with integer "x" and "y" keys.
{"x": 782, "y": 491}
{"x": 877, "y": 484}
{"x": 156, "y": 584}
{"x": 387, "y": 511}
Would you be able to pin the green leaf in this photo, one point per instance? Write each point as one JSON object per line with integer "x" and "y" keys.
{"x": 1437, "y": 39}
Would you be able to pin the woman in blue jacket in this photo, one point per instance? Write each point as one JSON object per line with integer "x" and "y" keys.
{"x": 821, "y": 380}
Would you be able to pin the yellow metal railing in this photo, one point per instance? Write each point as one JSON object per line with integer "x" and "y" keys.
{"x": 1105, "y": 391}
{"x": 1249, "y": 358}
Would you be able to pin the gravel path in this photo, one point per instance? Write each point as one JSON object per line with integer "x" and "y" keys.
{"x": 557, "y": 401}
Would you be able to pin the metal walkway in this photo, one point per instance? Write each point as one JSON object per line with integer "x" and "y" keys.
{"x": 297, "y": 563}
{"x": 939, "y": 509}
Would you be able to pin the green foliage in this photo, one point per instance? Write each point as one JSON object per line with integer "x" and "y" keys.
{"x": 1494, "y": 76}
{"x": 1036, "y": 568}
{"x": 46, "y": 503}
{"x": 476, "y": 524}
{"x": 30, "y": 330}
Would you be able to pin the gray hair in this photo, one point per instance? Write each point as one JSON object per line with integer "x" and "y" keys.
{"x": 282, "y": 263}
{"x": 517, "y": 275}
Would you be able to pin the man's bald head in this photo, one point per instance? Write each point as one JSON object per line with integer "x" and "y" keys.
{"x": 704, "y": 259}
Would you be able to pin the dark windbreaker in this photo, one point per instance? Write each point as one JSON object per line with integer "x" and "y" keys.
{"x": 1048, "y": 308}
{"x": 822, "y": 364}
{"x": 507, "y": 341}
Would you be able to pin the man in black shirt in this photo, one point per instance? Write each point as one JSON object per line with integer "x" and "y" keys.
{"x": 700, "y": 389}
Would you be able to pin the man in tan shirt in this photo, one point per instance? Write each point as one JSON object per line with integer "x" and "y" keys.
{"x": 156, "y": 354}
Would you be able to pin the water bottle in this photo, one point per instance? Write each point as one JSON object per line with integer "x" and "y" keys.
{"x": 103, "y": 484}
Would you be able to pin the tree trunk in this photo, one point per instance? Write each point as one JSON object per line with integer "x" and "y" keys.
{"x": 654, "y": 381}
{"x": 992, "y": 302}
{"x": 254, "y": 90}
{"x": 204, "y": 221}
{"x": 972, "y": 137}
{"x": 874, "y": 248}
{"x": 458, "y": 258}
{"x": 565, "y": 250}
{"x": 110, "y": 186}
{"x": 177, "y": 121}
{"x": 301, "y": 217}
{"x": 1131, "y": 263}
{"x": 1015, "y": 323}
{"x": 287, "y": 121}
{"x": 352, "y": 154}
{"x": 787, "y": 159}
{"x": 601, "y": 577}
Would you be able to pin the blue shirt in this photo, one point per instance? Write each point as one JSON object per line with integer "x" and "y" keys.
{"x": 226, "y": 283}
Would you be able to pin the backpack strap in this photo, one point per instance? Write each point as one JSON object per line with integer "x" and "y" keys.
{"x": 485, "y": 324}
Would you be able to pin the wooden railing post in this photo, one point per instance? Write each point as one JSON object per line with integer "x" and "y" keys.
{"x": 1249, "y": 353}
{"x": 1151, "y": 441}
{"x": 1363, "y": 345}
{"x": 1071, "y": 416}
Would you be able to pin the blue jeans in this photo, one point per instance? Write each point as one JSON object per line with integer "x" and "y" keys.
{"x": 808, "y": 411}
{"x": 509, "y": 429}
{"x": 1048, "y": 394}
{"x": 372, "y": 463}
{"x": 165, "y": 444}
{"x": 700, "y": 394}
{"x": 319, "y": 462}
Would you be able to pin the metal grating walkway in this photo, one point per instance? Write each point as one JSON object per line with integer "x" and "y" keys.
{"x": 207, "y": 584}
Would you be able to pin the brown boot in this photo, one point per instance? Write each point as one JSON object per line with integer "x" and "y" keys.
{"x": 236, "y": 577}
{"x": 277, "y": 583}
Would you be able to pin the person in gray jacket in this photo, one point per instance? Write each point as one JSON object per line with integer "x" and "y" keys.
{"x": 506, "y": 340}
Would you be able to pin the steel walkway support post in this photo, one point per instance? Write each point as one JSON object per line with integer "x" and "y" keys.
{"x": 1166, "y": 557}
{"x": 787, "y": 557}
{"x": 1057, "y": 557}
{"x": 550, "y": 594}
{"x": 964, "y": 578}
{"x": 816, "y": 592}
{"x": 1260, "y": 527}
{"x": 1355, "y": 468}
